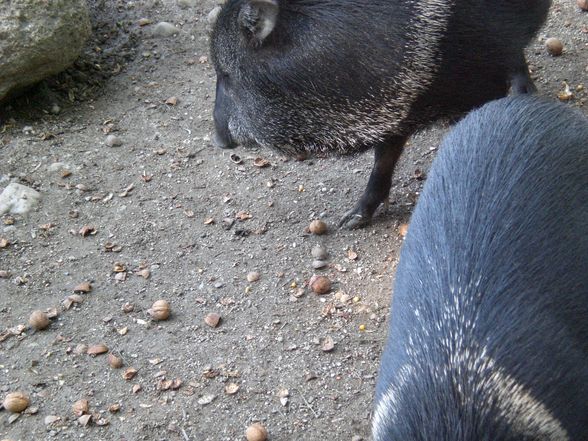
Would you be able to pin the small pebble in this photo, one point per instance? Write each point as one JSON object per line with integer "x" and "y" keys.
{"x": 318, "y": 264}
{"x": 253, "y": 276}
{"x": 319, "y": 252}
{"x": 212, "y": 319}
{"x": 213, "y": 15}
{"x": 164, "y": 29}
{"x": 187, "y": 3}
{"x": 328, "y": 344}
{"x": 113, "y": 141}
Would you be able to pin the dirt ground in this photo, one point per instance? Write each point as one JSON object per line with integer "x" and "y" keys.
{"x": 165, "y": 215}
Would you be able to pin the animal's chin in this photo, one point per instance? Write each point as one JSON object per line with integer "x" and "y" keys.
{"x": 303, "y": 150}
{"x": 289, "y": 150}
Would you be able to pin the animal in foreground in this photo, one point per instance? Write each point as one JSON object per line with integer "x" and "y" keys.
{"x": 344, "y": 76}
{"x": 488, "y": 337}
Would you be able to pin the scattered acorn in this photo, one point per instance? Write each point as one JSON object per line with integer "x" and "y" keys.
{"x": 80, "y": 407}
{"x": 317, "y": 227}
{"x": 39, "y": 320}
{"x": 80, "y": 349}
{"x": 115, "y": 361}
{"x": 582, "y": 4}
{"x": 16, "y": 402}
{"x": 554, "y": 46}
{"x": 129, "y": 373}
{"x": 256, "y": 432}
{"x": 319, "y": 284}
{"x": 160, "y": 310}
{"x": 98, "y": 349}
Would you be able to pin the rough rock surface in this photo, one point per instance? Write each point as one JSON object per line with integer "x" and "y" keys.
{"x": 39, "y": 39}
{"x": 18, "y": 199}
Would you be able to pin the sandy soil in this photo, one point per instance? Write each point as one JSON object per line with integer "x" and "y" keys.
{"x": 167, "y": 216}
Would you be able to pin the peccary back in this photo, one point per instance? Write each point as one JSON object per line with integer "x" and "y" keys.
{"x": 488, "y": 336}
{"x": 344, "y": 76}
{"x": 340, "y": 75}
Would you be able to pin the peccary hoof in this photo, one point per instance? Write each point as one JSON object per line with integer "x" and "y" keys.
{"x": 353, "y": 220}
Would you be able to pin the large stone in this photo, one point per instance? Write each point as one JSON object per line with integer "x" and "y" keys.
{"x": 18, "y": 199}
{"x": 39, "y": 38}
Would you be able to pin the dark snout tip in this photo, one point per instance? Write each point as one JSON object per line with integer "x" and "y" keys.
{"x": 222, "y": 142}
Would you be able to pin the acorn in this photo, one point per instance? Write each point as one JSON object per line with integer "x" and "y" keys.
{"x": 317, "y": 227}
{"x": 16, "y": 402}
{"x": 554, "y": 46}
{"x": 160, "y": 310}
{"x": 256, "y": 432}
{"x": 319, "y": 284}
{"x": 115, "y": 361}
{"x": 98, "y": 349}
{"x": 39, "y": 320}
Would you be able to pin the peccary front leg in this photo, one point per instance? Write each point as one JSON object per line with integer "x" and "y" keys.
{"x": 378, "y": 187}
{"x": 520, "y": 79}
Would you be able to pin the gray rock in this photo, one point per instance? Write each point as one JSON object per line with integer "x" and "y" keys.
{"x": 187, "y": 3}
{"x": 212, "y": 15}
{"x": 318, "y": 264}
{"x": 18, "y": 199}
{"x": 58, "y": 167}
{"x": 39, "y": 39}
{"x": 319, "y": 252}
{"x": 164, "y": 29}
{"x": 113, "y": 141}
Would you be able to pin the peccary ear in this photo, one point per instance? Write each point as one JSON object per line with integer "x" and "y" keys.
{"x": 259, "y": 17}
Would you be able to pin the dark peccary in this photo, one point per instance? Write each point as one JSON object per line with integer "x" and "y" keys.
{"x": 488, "y": 336}
{"x": 344, "y": 76}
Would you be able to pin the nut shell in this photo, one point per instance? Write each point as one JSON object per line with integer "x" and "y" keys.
{"x": 80, "y": 407}
{"x": 39, "y": 320}
{"x": 320, "y": 284}
{"x": 16, "y": 402}
{"x": 98, "y": 349}
{"x": 554, "y": 46}
{"x": 317, "y": 227}
{"x": 160, "y": 310}
{"x": 256, "y": 432}
{"x": 115, "y": 361}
